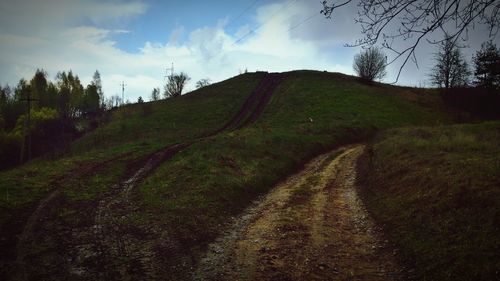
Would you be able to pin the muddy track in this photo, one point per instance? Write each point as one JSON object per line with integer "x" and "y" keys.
{"x": 109, "y": 249}
{"x": 116, "y": 247}
{"x": 255, "y": 103}
{"x": 138, "y": 255}
{"x": 26, "y": 236}
{"x": 312, "y": 226}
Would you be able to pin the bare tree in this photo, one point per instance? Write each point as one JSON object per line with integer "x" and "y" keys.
{"x": 202, "y": 83}
{"x": 451, "y": 69}
{"x": 175, "y": 84}
{"x": 113, "y": 101}
{"x": 412, "y": 21}
{"x": 155, "y": 94}
{"x": 370, "y": 64}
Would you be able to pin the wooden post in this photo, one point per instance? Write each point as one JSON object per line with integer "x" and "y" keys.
{"x": 27, "y": 127}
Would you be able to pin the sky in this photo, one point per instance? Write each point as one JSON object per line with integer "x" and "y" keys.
{"x": 134, "y": 41}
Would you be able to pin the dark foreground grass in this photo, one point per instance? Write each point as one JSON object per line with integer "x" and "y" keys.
{"x": 199, "y": 190}
{"x": 437, "y": 193}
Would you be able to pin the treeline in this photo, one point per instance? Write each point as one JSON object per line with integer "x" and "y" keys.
{"x": 57, "y": 111}
{"x": 475, "y": 90}
{"x": 452, "y": 69}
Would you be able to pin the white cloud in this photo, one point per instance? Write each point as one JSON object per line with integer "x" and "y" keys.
{"x": 42, "y": 17}
{"x": 283, "y": 42}
{"x": 208, "y": 52}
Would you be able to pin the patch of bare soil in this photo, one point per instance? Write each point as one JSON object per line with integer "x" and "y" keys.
{"x": 312, "y": 226}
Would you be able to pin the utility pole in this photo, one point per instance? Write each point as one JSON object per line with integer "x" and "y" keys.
{"x": 123, "y": 91}
{"x": 27, "y": 127}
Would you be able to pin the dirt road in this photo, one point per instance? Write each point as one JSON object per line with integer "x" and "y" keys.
{"x": 312, "y": 226}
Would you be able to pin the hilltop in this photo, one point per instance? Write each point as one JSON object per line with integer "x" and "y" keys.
{"x": 144, "y": 194}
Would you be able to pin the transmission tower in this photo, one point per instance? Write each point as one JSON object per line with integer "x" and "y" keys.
{"x": 171, "y": 70}
{"x": 123, "y": 92}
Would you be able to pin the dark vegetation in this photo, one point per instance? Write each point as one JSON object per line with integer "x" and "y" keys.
{"x": 370, "y": 64}
{"x": 451, "y": 73}
{"x": 483, "y": 103}
{"x": 198, "y": 190}
{"x": 175, "y": 85}
{"x": 98, "y": 160}
{"x": 487, "y": 66}
{"x": 58, "y": 113}
{"x": 451, "y": 69}
{"x": 436, "y": 192}
{"x": 192, "y": 196}
{"x": 411, "y": 22}
{"x": 434, "y": 189}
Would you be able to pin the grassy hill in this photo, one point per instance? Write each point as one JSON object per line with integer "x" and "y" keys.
{"x": 98, "y": 160}
{"x": 191, "y": 196}
{"x": 436, "y": 190}
{"x": 199, "y": 190}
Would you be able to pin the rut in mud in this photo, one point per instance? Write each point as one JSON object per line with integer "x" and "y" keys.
{"x": 254, "y": 105}
{"x": 312, "y": 226}
{"x": 132, "y": 253}
{"x": 109, "y": 248}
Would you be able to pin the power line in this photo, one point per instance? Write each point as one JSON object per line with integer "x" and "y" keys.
{"x": 242, "y": 13}
{"x": 264, "y": 23}
{"x": 304, "y": 21}
{"x": 252, "y": 31}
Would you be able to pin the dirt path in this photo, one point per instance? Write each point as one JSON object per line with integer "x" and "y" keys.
{"x": 110, "y": 248}
{"x": 312, "y": 226}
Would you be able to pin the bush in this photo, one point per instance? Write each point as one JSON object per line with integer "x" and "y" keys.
{"x": 370, "y": 64}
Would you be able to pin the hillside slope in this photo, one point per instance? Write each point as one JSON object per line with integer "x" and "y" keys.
{"x": 186, "y": 202}
{"x": 100, "y": 159}
{"x": 436, "y": 190}
{"x": 196, "y": 193}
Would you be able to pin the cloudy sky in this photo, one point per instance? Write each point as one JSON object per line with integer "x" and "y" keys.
{"x": 134, "y": 41}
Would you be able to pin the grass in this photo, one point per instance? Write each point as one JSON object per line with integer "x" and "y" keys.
{"x": 171, "y": 121}
{"x": 202, "y": 187}
{"x": 436, "y": 191}
{"x": 130, "y": 131}
{"x": 99, "y": 159}
{"x": 196, "y": 192}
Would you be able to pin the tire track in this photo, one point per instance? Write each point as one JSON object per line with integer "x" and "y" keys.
{"x": 113, "y": 241}
{"x": 109, "y": 250}
{"x": 312, "y": 226}
{"x": 26, "y": 236}
{"x": 120, "y": 252}
{"x": 254, "y": 105}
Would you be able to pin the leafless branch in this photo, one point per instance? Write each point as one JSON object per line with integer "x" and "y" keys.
{"x": 390, "y": 21}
